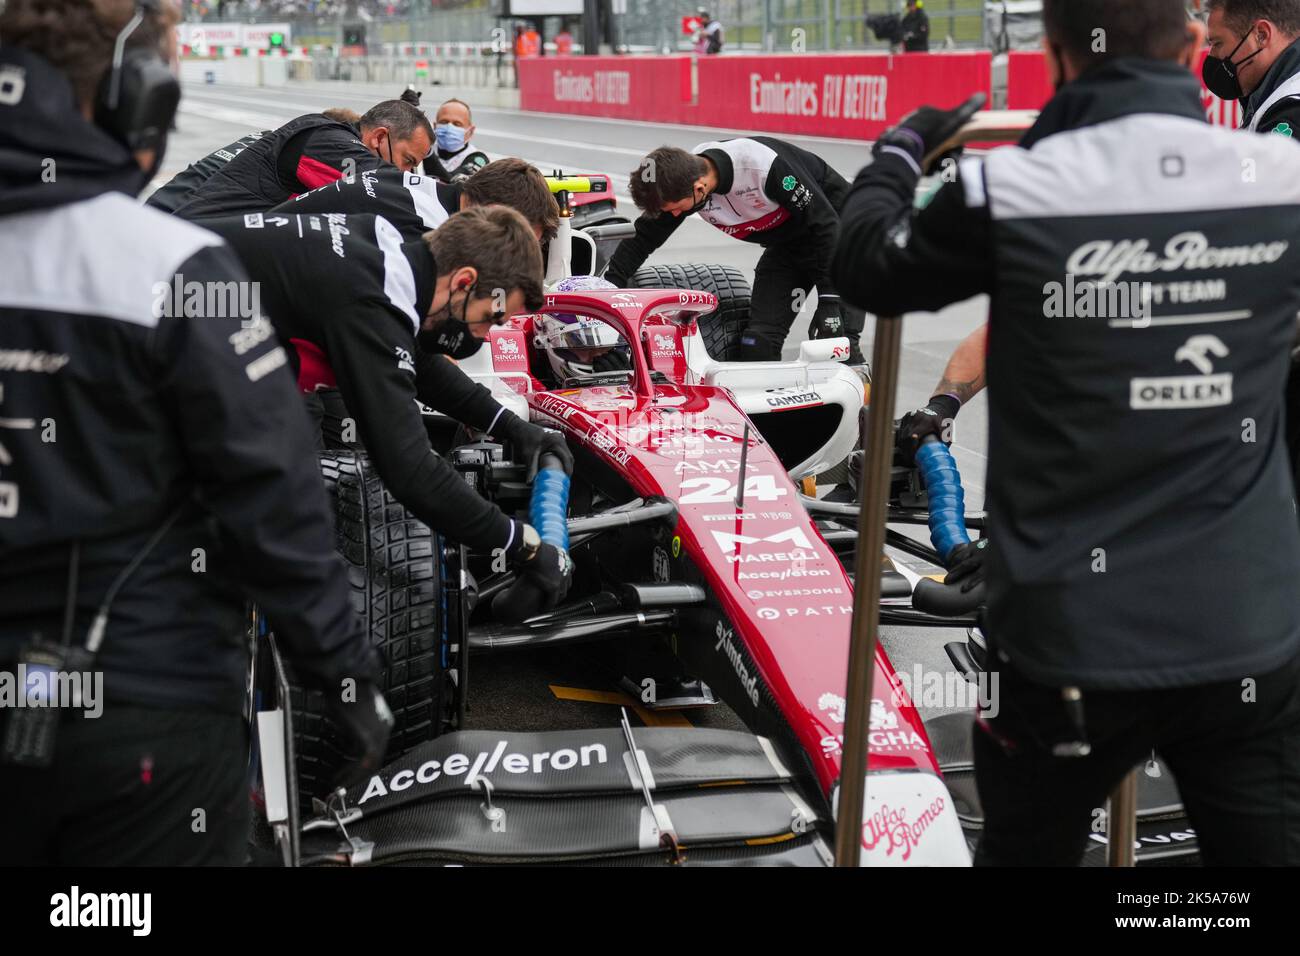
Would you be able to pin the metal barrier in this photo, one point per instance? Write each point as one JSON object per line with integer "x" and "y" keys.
{"x": 647, "y": 25}
{"x": 435, "y": 68}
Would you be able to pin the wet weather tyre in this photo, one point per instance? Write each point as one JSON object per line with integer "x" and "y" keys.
{"x": 395, "y": 573}
{"x": 721, "y": 328}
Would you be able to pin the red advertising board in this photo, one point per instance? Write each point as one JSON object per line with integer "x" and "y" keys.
{"x": 1029, "y": 86}
{"x": 854, "y": 96}
{"x": 653, "y": 89}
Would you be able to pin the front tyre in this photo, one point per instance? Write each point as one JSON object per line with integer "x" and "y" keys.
{"x": 722, "y": 328}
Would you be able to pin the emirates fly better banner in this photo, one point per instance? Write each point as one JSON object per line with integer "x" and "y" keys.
{"x": 855, "y": 97}
{"x": 850, "y": 96}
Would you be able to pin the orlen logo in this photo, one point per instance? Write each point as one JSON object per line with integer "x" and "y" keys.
{"x": 625, "y": 300}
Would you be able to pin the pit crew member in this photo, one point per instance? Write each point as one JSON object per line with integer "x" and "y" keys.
{"x": 154, "y": 469}
{"x": 415, "y": 203}
{"x": 1268, "y": 79}
{"x": 367, "y": 313}
{"x": 1122, "y": 440}
{"x": 760, "y": 190}
{"x": 453, "y": 129}
{"x": 301, "y": 155}
{"x": 1255, "y": 57}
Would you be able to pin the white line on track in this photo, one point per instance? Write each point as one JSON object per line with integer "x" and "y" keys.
{"x": 577, "y": 118}
{"x": 207, "y": 109}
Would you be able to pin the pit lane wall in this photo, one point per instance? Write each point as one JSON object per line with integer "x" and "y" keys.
{"x": 853, "y": 96}
{"x": 1029, "y": 86}
{"x": 848, "y": 96}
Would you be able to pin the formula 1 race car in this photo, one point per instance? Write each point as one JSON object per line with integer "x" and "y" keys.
{"x": 695, "y": 545}
{"x": 688, "y": 532}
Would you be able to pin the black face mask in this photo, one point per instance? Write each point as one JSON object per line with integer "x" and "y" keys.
{"x": 451, "y": 336}
{"x": 1220, "y": 73}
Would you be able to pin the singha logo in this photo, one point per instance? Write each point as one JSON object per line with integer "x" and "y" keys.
{"x": 508, "y": 347}
{"x": 881, "y": 719}
{"x": 833, "y": 703}
{"x": 665, "y": 343}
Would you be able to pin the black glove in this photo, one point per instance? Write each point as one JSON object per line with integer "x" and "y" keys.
{"x": 924, "y": 131}
{"x": 364, "y": 724}
{"x": 543, "y": 582}
{"x": 966, "y": 565}
{"x": 532, "y": 441}
{"x": 828, "y": 320}
{"x": 933, "y": 419}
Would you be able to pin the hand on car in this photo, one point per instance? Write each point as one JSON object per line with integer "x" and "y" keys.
{"x": 548, "y": 571}
{"x": 532, "y": 441}
{"x": 924, "y": 131}
{"x": 934, "y": 419}
{"x": 828, "y": 320}
{"x": 542, "y": 584}
{"x": 966, "y": 565}
{"x": 365, "y": 722}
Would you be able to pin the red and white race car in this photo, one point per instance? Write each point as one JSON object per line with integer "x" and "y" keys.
{"x": 692, "y": 538}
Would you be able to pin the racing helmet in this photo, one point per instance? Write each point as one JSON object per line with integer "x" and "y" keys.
{"x": 576, "y": 344}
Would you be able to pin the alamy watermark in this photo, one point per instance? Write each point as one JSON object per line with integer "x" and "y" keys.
{"x": 182, "y": 298}
{"x": 34, "y": 686}
{"x": 948, "y": 690}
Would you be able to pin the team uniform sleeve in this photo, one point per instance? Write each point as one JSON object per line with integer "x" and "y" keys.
{"x": 799, "y": 194}
{"x": 319, "y": 156}
{"x": 248, "y": 442}
{"x": 440, "y": 384}
{"x": 341, "y": 195}
{"x": 631, "y": 253}
{"x": 362, "y": 343}
{"x": 1283, "y": 119}
{"x": 168, "y": 197}
{"x": 890, "y": 260}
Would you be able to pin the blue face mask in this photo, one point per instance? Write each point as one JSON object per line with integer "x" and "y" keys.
{"x": 450, "y": 138}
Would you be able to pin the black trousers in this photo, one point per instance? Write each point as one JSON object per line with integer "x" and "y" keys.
{"x": 134, "y": 787}
{"x": 1234, "y": 748}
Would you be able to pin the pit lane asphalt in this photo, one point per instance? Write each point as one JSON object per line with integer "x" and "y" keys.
{"x": 212, "y": 116}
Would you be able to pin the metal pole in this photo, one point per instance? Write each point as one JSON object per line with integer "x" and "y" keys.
{"x": 1121, "y": 822}
{"x": 590, "y": 27}
{"x": 873, "y": 503}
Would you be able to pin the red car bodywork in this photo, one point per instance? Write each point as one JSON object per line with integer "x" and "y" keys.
{"x": 782, "y": 590}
